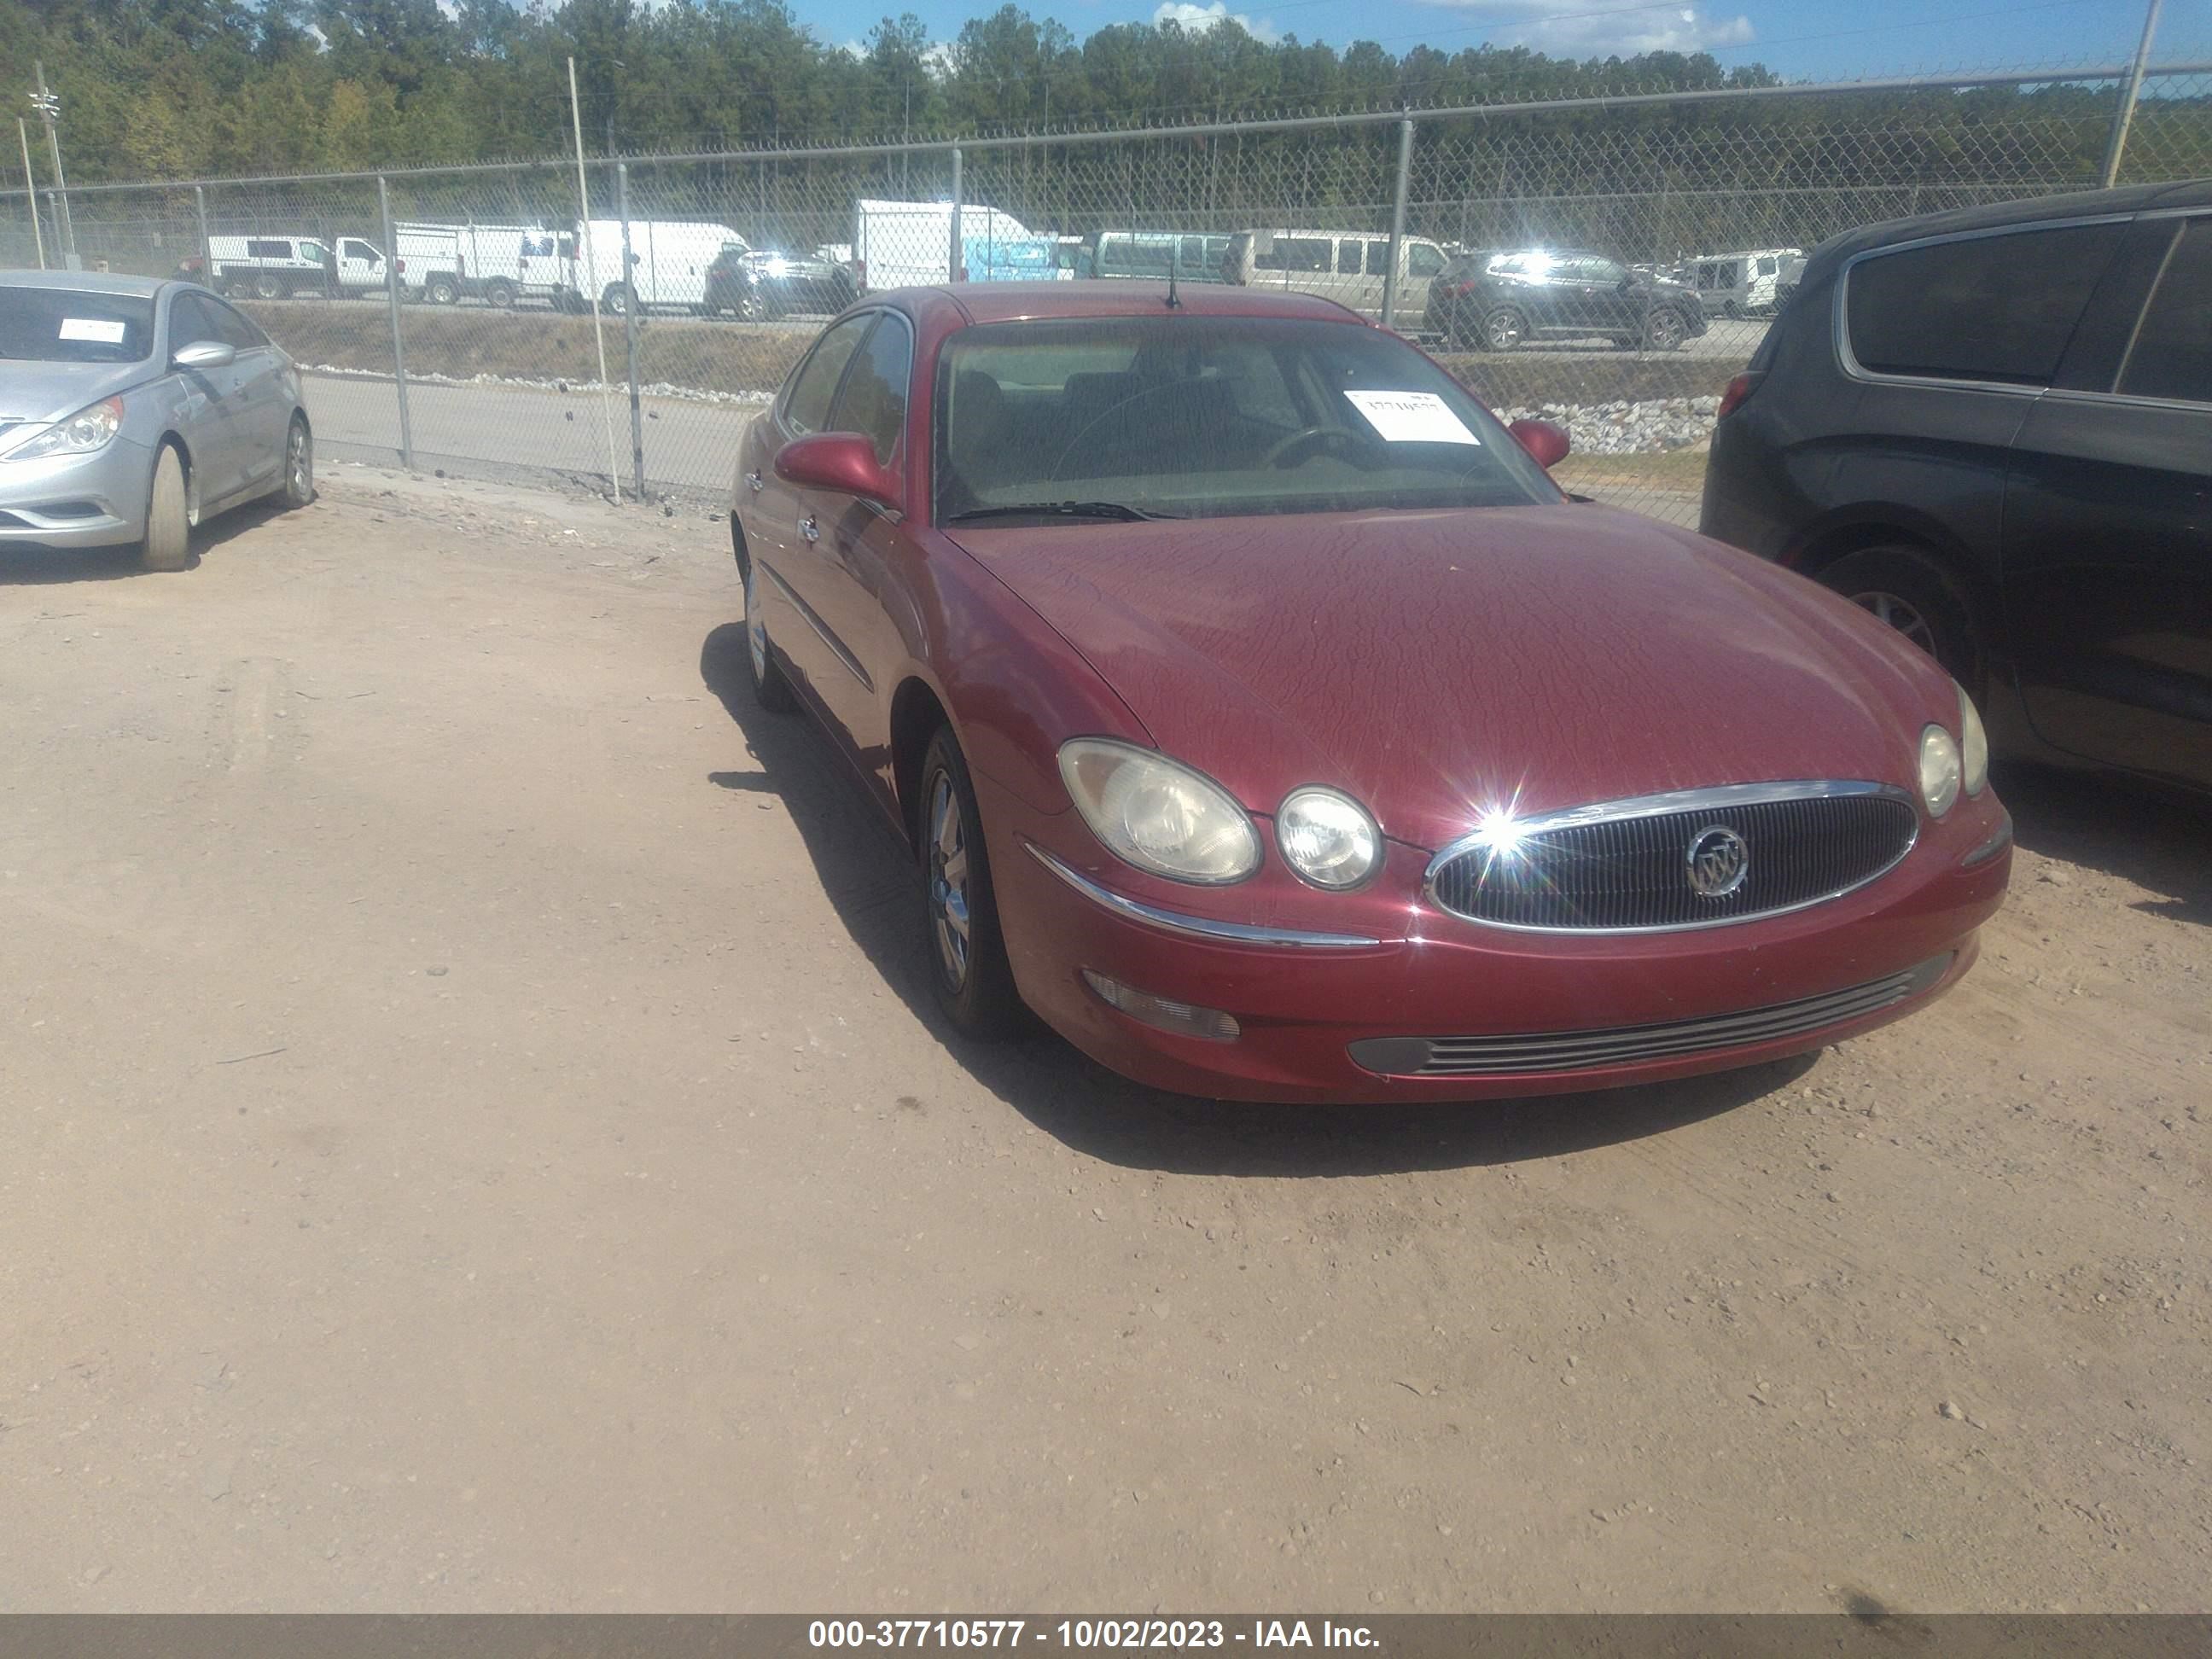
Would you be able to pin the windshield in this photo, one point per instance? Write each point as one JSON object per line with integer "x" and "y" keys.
{"x": 1210, "y": 416}
{"x": 61, "y": 325}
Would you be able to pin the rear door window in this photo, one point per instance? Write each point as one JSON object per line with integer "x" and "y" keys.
{"x": 268, "y": 250}
{"x": 1999, "y": 308}
{"x": 2171, "y": 356}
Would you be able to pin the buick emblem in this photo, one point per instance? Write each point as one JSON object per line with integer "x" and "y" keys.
{"x": 1718, "y": 861}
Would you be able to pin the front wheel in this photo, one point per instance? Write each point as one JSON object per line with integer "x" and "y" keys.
{"x": 615, "y": 301}
{"x": 266, "y": 287}
{"x": 168, "y": 542}
{"x": 298, "y": 463}
{"x": 969, "y": 970}
{"x": 1667, "y": 330}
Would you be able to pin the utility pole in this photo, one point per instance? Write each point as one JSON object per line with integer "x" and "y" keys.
{"x": 49, "y": 106}
{"x": 31, "y": 191}
{"x": 2123, "y": 117}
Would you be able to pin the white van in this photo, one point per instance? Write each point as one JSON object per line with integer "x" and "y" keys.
{"x": 277, "y": 267}
{"x": 668, "y": 261}
{"x": 1346, "y": 266}
{"x": 499, "y": 264}
{"x": 1739, "y": 284}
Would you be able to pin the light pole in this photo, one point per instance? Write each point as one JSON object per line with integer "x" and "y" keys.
{"x": 30, "y": 193}
{"x": 49, "y": 106}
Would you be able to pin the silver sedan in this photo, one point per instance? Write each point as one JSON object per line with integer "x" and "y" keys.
{"x": 132, "y": 410}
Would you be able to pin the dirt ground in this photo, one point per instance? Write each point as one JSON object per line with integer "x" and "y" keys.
{"x": 475, "y": 1139}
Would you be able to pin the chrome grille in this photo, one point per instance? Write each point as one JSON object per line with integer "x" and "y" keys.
{"x": 1517, "y": 1054}
{"x": 1626, "y": 866}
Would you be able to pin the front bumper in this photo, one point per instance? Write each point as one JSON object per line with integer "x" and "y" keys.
{"x": 77, "y": 500}
{"x": 1304, "y": 1007}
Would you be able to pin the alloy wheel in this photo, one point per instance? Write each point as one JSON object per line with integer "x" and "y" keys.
{"x": 756, "y": 630}
{"x": 1902, "y": 616}
{"x": 948, "y": 880}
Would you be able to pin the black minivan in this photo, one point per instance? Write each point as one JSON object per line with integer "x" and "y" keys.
{"x": 1993, "y": 427}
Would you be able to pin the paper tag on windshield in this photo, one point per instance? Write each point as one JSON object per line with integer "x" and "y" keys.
{"x": 95, "y": 329}
{"x": 1412, "y": 417}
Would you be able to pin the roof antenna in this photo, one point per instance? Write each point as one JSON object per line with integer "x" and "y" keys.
{"x": 1175, "y": 263}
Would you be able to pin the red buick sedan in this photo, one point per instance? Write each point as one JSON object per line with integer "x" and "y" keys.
{"x": 1263, "y": 717}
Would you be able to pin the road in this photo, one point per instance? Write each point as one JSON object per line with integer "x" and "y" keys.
{"x": 478, "y": 1139}
{"x": 514, "y": 430}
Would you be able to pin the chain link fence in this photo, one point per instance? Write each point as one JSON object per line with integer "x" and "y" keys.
{"x": 615, "y": 325}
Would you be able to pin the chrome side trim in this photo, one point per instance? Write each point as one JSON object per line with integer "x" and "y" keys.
{"x": 1229, "y": 933}
{"x": 1719, "y": 798}
{"x": 850, "y": 663}
{"x": 1841, "y": 316}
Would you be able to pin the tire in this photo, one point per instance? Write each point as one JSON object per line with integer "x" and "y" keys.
{"x": 968, "y": 968}
{"x": 298, "y": 463}
{"x": 266, "y": 287}
{"x": 238, "y": 288}
{"x": 770, "y": 689}
{"x": 1905, "y": 588}
{"x": 616, "y": 300}
{"x": 168, "y": 541}
{"x": 441, "y": 291}
{"x": 500, "y": 294}
{"x": 1666, "y": 330}
{"x": 1504, "y": 329}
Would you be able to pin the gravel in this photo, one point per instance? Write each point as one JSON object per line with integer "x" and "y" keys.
{"x": 1629, "y": 429}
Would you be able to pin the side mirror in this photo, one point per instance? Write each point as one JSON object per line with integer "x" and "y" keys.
{"x": 1546, "y": 443}
{"x": 844, "y": 463}
{"x": 204, "y": 353}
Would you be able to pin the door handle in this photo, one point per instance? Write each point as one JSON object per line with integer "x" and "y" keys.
{"x": 809, "y": 528}
{"x": 753, "y": 480}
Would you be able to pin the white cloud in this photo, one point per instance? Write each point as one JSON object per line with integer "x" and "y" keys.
{"x": 1564, "y": 27}
{"x": 1196, "y": 19}
{"x": 938, "y": 57}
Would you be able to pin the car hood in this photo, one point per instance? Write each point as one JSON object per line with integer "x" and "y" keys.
{"x": 36, "y": 394}
{"x": 1440, "y": 665}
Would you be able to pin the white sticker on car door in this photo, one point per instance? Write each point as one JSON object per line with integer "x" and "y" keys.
{"x": 1412, "y": 417}
{"x": 97, "y": 330}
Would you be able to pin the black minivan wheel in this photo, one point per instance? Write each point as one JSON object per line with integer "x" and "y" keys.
{"x": 1903, "y": 586}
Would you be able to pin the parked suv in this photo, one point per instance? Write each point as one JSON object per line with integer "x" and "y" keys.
{"x": 1497, "y": 298}
{"x": 1993, "y": 427}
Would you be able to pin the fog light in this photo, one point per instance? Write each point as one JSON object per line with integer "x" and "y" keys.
{"x": 1180, "y": 1018}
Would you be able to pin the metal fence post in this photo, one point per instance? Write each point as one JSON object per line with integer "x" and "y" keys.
{"x": 1398, "y": 220}
{"x": 2124, "y": 116}
{"x": 630, "y": 339}
{"x": 207, "y": 248}
{"x": 956, "y": 265}
{"x": 398, "y": 349}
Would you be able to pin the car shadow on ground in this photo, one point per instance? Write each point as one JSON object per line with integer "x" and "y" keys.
{"x": 31, "y": 564}
{"x": 2115, "y": 827}
{"x": 864, "y": 869}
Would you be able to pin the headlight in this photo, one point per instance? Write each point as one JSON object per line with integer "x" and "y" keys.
{"x": 82, "y": 433}
{"x": 1939, "y": 770}
{"x": 1328, "y": 838}
{"x": 1973, "y": 746}
{"x": 1157, "y": 815}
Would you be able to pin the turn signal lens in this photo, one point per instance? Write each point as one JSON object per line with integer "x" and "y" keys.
{"x": 1973, "y": 746}
{"x": 1183, "y": 1018}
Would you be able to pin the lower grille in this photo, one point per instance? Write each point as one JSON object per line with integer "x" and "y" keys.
{"x": 1696, "y": 858}
{"x": 1517, "y": 1054}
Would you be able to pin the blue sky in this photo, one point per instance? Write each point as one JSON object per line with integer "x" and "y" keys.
{"x": 1819, "y": 37}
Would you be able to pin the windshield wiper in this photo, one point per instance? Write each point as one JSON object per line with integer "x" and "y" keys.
{"x": 1061, "y": 510}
